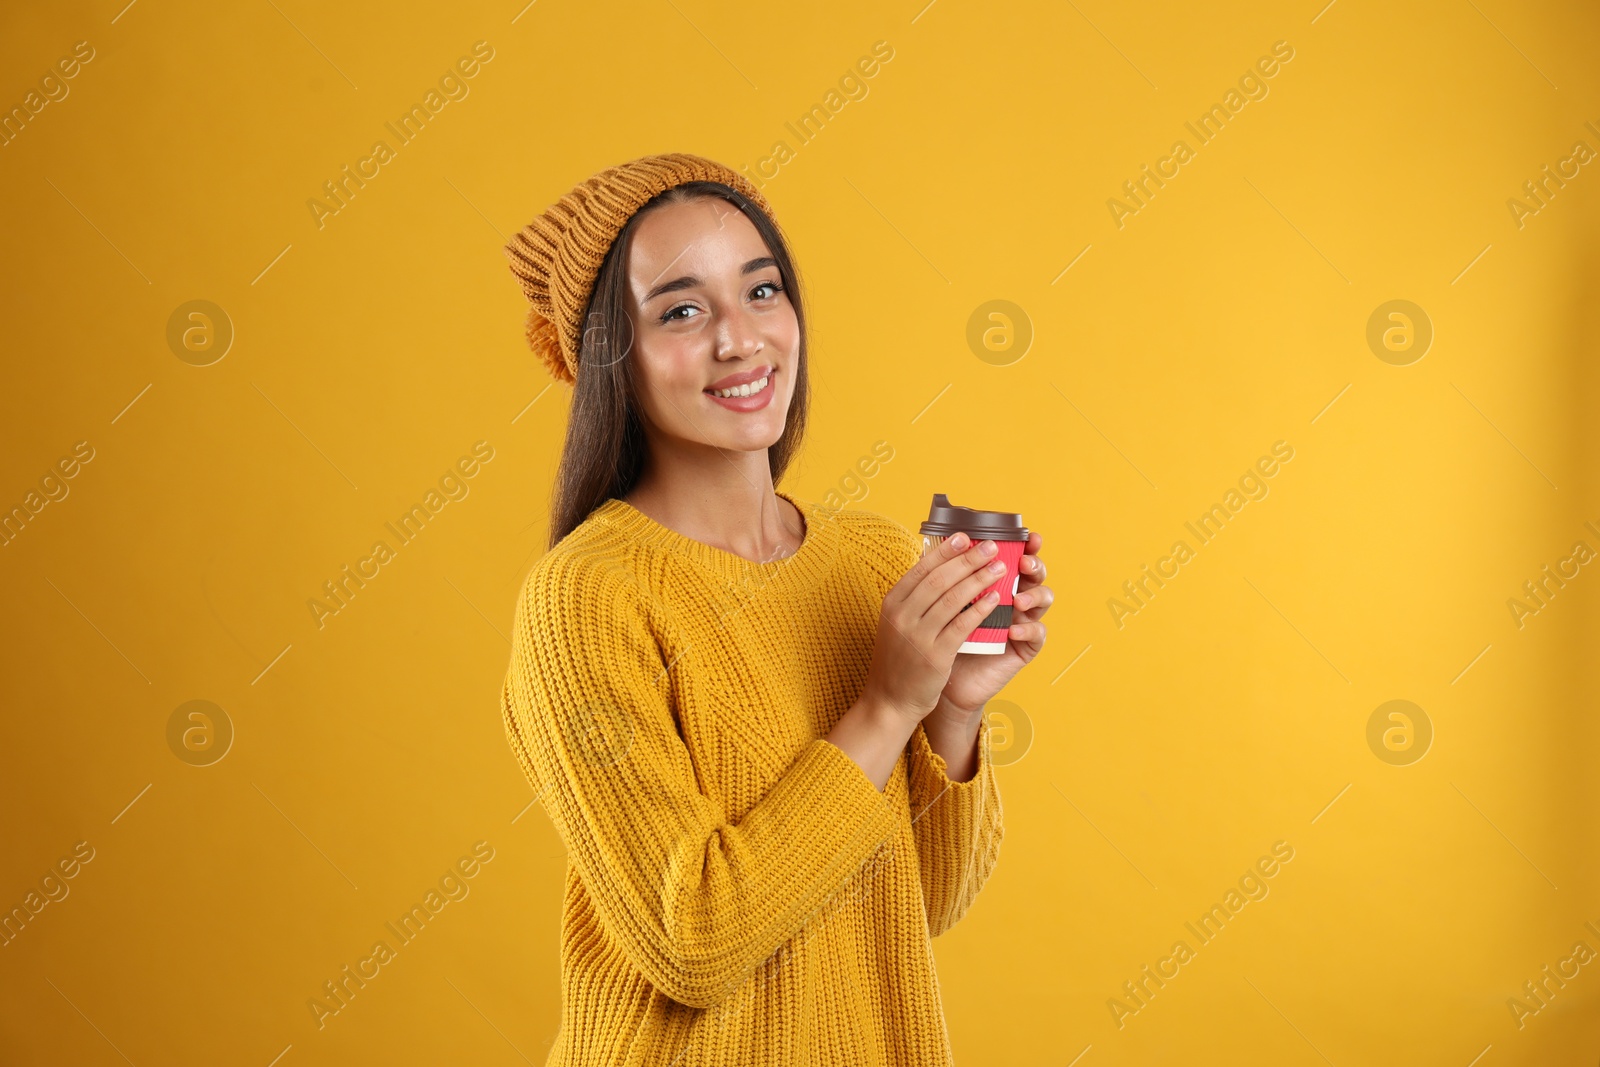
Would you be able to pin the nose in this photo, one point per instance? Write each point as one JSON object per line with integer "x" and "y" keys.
{"x": 738, "y": 333}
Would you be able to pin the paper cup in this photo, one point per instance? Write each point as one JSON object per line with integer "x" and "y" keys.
{"x": 1005, "y": 529}
{"x": 990, "y": 636}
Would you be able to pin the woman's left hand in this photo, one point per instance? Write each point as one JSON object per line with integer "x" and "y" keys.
{"x": 975, "y": 679}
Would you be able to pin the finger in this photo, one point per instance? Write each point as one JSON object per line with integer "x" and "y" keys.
{"x": 1032, "y": 566}
{"x": 955, "y": 568}
{"x": 1027, "y": 633}
{"x": 960, "y": 628}
{"x": 958, "y": 596}
{"x": 1036, "y": 600}
{"x": 945, "y": 550}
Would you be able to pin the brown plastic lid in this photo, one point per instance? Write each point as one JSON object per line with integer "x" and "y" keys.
{"x": 945, "y": 518}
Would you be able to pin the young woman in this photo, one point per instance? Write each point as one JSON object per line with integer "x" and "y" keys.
{"x": 745, "y": 713}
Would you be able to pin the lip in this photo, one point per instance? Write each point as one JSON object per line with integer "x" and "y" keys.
{"x": 744, "y": 376}
{"x": 754, "y": 402}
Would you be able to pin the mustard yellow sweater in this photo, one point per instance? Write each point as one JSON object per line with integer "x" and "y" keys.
{"x": 737, "y": 890}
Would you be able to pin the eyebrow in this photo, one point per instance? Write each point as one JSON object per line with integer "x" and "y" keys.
{"x": 689, "y": 281}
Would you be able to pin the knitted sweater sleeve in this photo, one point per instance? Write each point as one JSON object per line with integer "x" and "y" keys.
{"x": 958, "y": 827}
{"x": 696, "y": 902}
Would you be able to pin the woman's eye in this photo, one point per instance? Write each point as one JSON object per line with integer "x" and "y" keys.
{"x": 671, "y": 314}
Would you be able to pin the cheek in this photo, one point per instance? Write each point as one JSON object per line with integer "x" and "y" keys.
{"x": 670, "y": 373}
{"x": 788, "y": 330}
{"x": 783, "y": 337}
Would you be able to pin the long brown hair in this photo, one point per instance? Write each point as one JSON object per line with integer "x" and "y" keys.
{"x": 605, "y": 447}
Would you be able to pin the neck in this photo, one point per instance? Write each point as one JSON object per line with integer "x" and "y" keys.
{"x": 721, "y": 498}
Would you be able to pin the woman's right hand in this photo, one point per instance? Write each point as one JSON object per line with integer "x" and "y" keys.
{"x": 924, "y": 620}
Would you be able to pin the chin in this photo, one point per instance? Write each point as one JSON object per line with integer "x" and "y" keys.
{"x": 755, "y": 437}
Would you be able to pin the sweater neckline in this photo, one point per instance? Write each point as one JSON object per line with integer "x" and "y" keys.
{"x": 794, "y": 573}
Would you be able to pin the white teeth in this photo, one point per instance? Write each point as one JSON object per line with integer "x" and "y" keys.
{"x": 744, "y": 390}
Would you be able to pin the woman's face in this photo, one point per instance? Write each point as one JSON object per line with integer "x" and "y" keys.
{"x": 707, "y": 304}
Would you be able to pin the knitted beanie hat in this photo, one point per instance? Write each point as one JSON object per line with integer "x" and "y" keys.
{"x": 557, "y": 256}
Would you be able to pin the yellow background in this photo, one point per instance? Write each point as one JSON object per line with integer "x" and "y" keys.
{"x": 1226, "y": 315}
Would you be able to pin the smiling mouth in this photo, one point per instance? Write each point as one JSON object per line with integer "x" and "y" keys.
{"x": 748, "y": 389}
